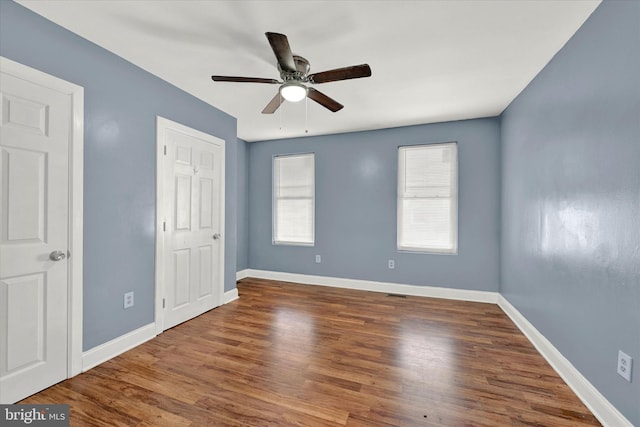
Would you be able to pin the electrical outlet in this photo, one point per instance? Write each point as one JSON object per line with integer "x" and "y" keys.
{"x": 392, "y": 264}
{"x": 128, "y": 300}
{"x": 625, "y": 363}
{"x": 318, "y": 259}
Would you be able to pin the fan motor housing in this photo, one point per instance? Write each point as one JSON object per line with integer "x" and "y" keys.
{"x": 302, "y": 67}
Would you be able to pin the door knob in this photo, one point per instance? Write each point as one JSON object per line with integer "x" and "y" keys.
{"x": 57, "y": 256}
{"x": 216, "y": 236}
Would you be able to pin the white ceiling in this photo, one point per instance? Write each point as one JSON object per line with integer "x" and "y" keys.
{"x": 431, "y": 61}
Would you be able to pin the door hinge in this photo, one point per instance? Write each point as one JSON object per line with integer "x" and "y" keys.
{"x": 165, "y": 150}
{"x": 164, "y": 225}
{"x": 163, "y": 302}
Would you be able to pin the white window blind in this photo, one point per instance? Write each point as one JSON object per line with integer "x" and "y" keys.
{"x": 293, "y": 199}
{"x": 427, "y": 198}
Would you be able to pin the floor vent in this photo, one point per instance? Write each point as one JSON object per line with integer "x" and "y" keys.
{"x": 396, "y": 295}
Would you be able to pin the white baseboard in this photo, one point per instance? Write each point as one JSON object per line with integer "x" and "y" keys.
{"x": 386, "y": 287}
{"x": 229, "y": 296}
{"x": 242, "y": 274}
{"x": 601, "y": 408}
{"x": 116, "y": 346}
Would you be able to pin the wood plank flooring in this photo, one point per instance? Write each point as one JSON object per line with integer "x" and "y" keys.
{"x": 287, "y": 354}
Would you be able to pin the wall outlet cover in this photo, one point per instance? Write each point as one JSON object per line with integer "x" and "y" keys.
{"x": 625, "y": 363}
{"x": 128, "y": 300}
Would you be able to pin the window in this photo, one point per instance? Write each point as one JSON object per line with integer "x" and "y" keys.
{"x": 293, "y": 199}
{"x": 427, "y": 198}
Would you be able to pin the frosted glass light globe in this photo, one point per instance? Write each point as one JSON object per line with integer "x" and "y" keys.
{"x": 293, "y": 92}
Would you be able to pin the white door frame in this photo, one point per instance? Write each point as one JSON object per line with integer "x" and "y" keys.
{"x": 161, "y": 125}
{"x": 76, "y": 181}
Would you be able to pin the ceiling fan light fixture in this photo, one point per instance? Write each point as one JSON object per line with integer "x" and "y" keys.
{"x": 293, "y": 91}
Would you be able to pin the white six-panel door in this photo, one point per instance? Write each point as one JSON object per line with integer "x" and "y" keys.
{"x": 192, "y": 222}
{"x": 35, "y": 134}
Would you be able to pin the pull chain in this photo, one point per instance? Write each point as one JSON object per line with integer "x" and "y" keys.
{"x": 280, "y": 112}
{"x": 306, "y": 115}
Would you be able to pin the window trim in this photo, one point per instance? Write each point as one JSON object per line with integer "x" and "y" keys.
{"x": 454, "y": 199}
{"x": 274, "y": 199}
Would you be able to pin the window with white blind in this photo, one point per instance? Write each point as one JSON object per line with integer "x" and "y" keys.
{"x": 293, "y": 199}
{"x": 428, "y": 198}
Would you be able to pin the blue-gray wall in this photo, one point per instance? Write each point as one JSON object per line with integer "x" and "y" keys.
{"x": 571, "y": 201}
{"x": 121, "y": 104}
{"x": 355, "y": 229}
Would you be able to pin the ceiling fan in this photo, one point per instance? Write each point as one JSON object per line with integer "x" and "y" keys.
{"x": 294, "y": 71}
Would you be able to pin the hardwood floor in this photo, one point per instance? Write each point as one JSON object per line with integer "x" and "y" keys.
{"x": 287, "y": 354}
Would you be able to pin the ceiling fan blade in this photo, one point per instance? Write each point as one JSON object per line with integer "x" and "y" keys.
{"x": 273, "y": 105}
{"x": 324, "y": 100}
{"x": 280, "y": 45}
{"x": 346, "y": 73}
{"x": 243, "y": 79}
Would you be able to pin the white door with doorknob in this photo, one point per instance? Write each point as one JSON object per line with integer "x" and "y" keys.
{"x": 192, "y": 259}
{"x": 35, "y": 134}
